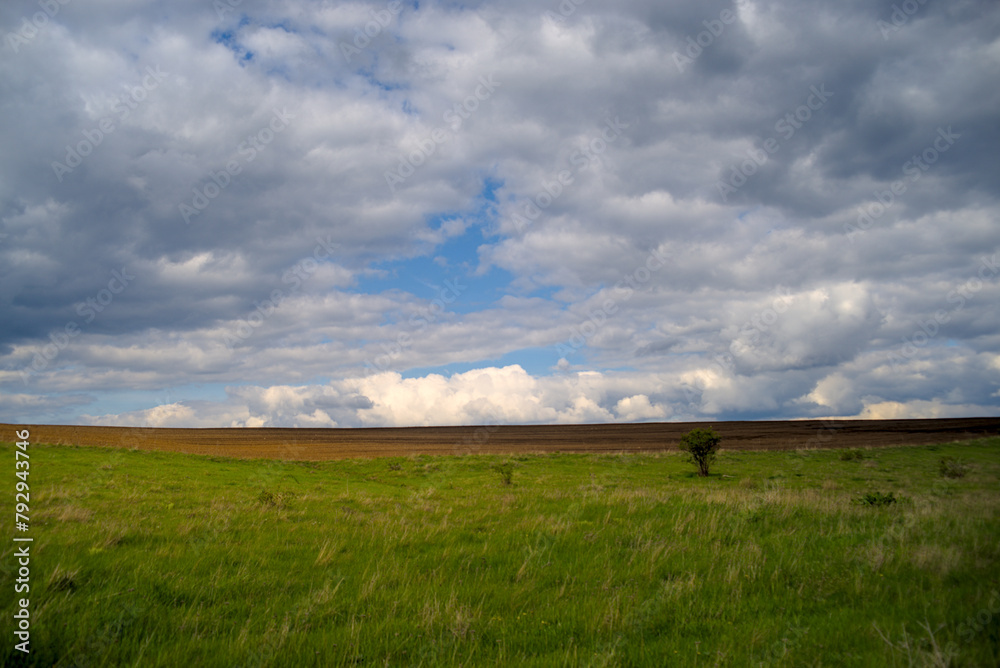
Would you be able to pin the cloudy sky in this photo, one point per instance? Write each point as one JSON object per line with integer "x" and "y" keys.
{"x": 291, "y": 213}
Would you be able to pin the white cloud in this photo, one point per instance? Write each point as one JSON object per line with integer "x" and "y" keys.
{"x": 638, "y": 408}
{"x": 912, "y": 410}
{"x": 821, "y": 327}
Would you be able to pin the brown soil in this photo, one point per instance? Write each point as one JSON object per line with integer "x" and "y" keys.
{"x": 322, "y": 444}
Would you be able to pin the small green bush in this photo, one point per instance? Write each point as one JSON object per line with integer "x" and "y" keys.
{"x": 877, "y": 499}
{"x": 506, "y": 471}
{"x": 849, "y": 455}
{"x": 702, "y": 445}
{"x": 952, "y": 468}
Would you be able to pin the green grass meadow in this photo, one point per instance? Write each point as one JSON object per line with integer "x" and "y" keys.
{"x": 157, "y": 559}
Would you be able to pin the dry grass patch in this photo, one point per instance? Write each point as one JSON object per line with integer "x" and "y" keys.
{"x": 937, "y": 559}
{"x": 71, "y": 513}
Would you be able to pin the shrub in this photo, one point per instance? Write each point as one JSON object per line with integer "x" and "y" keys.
{"x": 877, "y": 499}
{"x": 506, "y": 471}
{"x": 848, "y": 455}
{"x": 952, "y": 468}
{"x": 274, "y": 500}
{"x": 702, "y": 445}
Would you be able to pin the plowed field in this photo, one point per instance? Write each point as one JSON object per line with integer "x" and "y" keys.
{"x": 323, "y": 444}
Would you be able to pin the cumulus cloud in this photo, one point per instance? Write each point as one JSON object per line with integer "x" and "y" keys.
{"x": 895, "y": 410}
{"x": 821, "y": 327}
{"x": 637, "y": 408}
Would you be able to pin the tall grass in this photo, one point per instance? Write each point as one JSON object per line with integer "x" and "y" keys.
{"x": 156, "y": 559}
